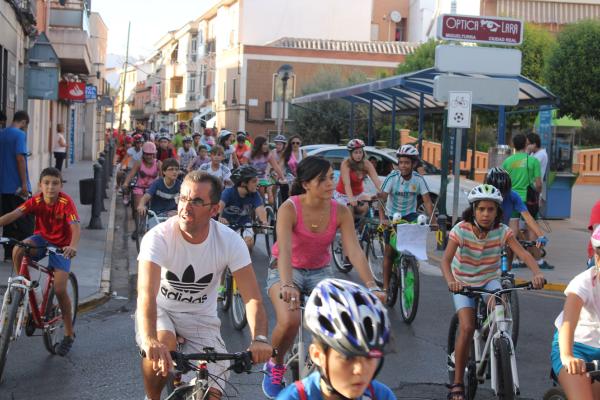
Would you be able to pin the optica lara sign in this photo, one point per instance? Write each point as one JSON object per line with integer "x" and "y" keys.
{"x": 470, "y": 28}
{"x": 72, "y": 91}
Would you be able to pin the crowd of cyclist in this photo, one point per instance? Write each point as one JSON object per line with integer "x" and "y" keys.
{"x": 349, "y": 323}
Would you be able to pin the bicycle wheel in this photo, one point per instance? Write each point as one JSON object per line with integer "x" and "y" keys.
{"x": 506, "y": 389}
{"x": 7, "y": 326}
{"x": 270, "y": 234}
{"x": 392, "y": 292}
{"x": 55, "y": 330}
{"x": 514, "y": 314}
{"x": 227, "y": 296}
{"x": 140, "y": 230}
{"x": 409, "y": 288}
{"x": 292, "y": 363}
{"x": 555, "y": 393}
{"x": 238, "y": 310}
{"x": 374, "y": 249}
{"x": 338, "y": 254}
{"x": 470, "y": 376}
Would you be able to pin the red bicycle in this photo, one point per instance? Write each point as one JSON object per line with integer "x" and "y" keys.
{"x": 42, "y": 311}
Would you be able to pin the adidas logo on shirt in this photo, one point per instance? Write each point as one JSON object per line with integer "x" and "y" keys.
{"x": 186, "y": 288}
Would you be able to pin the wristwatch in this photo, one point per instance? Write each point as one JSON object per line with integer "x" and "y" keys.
{"x": 261, "y": 338}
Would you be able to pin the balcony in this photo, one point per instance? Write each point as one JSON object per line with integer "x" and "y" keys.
{"x": 68, "y": 33}
{"x": 26, "y": 12}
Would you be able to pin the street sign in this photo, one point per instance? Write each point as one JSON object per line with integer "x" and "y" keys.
{"x": 471, "y": 28}
{"x": 485, "y": 91}
{"x": 544, "y": 128}
{"x": 459, "y": 110}
{"x": 478, "y": 60}
{"x": 91, "y": 92}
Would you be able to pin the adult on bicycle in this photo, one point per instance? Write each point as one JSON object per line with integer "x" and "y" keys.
{"x": 162, "y": 192}
{"x": 577, "y": 339}
{"x": 513, "y": 205}
{"x": 278, "y": 154}
{"x": 353, "y": 171}
{"x": 472, "y": 258}
{"x": 180, "y": 263}
{"x": 261, "y": 158}
{"x": 306, "y": 227}
{"x": 347, "y": 347}
{"x": 401, "y": 190}
{"x": 241, "y": 202}
{"x": 292, "y": 155}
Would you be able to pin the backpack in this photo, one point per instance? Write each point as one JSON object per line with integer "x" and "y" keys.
{"x": 302, "y": 392}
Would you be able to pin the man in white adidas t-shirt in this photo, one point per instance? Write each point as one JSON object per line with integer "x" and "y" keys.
{"x": 180, "y": 265}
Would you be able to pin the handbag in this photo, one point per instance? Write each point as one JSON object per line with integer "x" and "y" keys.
{"x": 533, "y": 197}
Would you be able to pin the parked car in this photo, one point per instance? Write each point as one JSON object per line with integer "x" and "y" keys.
{"x": 387, "y": 162}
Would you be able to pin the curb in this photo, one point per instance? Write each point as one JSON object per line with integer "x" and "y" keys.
{"x": 103, "y": 293}
{"x": 550, "y": 286}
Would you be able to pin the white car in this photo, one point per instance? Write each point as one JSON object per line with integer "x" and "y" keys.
{"x": 387, "y": 161}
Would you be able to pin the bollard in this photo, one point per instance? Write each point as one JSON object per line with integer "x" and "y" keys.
{"x": 102, "y": 161}
{"x": 442, "y": 234}
{"x": 111, "y": 159}
{"x": 97, "y": 205}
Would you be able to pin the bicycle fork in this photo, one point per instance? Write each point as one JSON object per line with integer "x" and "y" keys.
{"x": 18, "y": 282}
{"x": 504, "y": 324}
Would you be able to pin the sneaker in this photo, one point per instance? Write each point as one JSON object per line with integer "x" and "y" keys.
{"x": 221, "y": 293}
{"x": 62, "y": 348}
{"x": 545, "y": 265}
{"x": 273, "y": 382}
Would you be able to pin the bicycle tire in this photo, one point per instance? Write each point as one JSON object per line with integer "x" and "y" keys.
{"x": 470, "y": 376}
{"x": 374, "y": 249}
{"x": 227, "y": 296}
{"x": 556, "y": 393}
{"x": 270, "y": 234}
{"x": 393, "y": 287}
{"x": 515, "y": 315}
{"x": 140, "y": 231}
{"x": 506, "y": 390}
{"x": 238, "y": 312}
{"x": 53, "y": 334}
{"x": 7, "y": 326}
{"x": 338, "y": 254}
{"x": 409, "y": 289}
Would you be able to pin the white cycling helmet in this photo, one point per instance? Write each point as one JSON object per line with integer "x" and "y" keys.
{"x": 408, "y": 150}
{"x": 347, "y": 318}
{"x": 485, "y": 192}
{"x": 355, "y": 144}
{"x": 595, "y": 239}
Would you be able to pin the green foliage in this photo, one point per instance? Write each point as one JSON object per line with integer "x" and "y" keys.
{"x": 573, "y": 70}
{"x": 422, "y": 58}
{"x": 537, "y": 46}
{"x": 589, "y": 134}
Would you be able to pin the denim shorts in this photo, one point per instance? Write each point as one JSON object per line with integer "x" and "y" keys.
{"x": 55, "y": 261}
{"x": 462, "y": 301}
{"x": 582, "y": 351}
{"x": 304, "y": 279}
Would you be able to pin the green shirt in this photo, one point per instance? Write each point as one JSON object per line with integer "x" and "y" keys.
{"x": 523, "y": 170}
{"x": 178, "y": 140}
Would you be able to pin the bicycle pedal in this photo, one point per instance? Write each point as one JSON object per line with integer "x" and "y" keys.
{"x": 29, "y": 326}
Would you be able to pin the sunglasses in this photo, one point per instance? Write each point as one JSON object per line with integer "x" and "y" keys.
{"x": 197, "y": 202}
{"x": 296, "y": 143}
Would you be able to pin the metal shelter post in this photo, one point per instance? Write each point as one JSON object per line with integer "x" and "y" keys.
{"x": 393, "y": 132}
{"x": 351, "y": 124}
{"x": 370, "y": 134}
{"x": 421, "y": 122}
{"x": 501, "y": 125}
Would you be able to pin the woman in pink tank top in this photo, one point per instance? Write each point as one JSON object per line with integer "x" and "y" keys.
{"x": 147, "y": 170}
{"x": 306, "y": 227}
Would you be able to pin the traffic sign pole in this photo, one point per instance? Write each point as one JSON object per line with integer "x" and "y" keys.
{"x": 457, "y": 150}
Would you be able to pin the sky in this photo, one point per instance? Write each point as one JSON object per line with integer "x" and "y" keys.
{"x": 150, "y": 20}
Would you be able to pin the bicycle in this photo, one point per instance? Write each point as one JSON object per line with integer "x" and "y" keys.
{"x": 557, "y": 392}
{"x": 232, "y": 297}
{"x": 142, "y": 224}
{"x": 43, "y": 313}
{"x": 492, "y": 352}
{"x": 298, "y": 362}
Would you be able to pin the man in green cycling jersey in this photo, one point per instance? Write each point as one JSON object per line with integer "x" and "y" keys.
{"x": 350, "y": 328}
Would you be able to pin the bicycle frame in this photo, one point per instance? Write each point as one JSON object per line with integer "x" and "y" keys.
{"x": 300, "y": 355}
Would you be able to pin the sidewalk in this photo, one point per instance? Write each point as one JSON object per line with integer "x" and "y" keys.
{"x": 567, "y": 250}
{"x": 93, "y": 260}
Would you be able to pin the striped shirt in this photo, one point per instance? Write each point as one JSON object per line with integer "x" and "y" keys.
{"x": 477, "y": 261}
{"x": 403, "y": 194}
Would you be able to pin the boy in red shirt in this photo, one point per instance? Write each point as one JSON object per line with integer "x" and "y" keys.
{"x": 56, "y": 224}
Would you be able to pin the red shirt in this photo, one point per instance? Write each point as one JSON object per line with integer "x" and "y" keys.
{"x": 52, "y": 222}
{"x": 240, "y": 151}
{"x": 594, "y": 219}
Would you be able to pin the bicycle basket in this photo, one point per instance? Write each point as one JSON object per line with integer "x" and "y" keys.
{"x": 412, "y": 239}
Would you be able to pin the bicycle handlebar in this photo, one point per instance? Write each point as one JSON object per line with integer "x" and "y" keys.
{"x": 6, "y": 241}
{"x": 473, "y": 292}
{"x": 237, "y": 227}
{"x": 531, "y": 243}
{"x": 593, "y": 366}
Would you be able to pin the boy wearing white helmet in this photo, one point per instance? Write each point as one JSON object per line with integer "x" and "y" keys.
{"x": 186, "y": 154}
{"x": 472, "y": 258}
{"x": 350, "y": 328}
{"x": 577, "y": 339}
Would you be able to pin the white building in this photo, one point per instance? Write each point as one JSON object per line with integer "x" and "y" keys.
{"x": 422, "y": 24}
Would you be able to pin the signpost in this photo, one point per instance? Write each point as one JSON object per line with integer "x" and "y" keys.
{"x": 459, "y": 116}
{"x": 485, "y": 91}
{"x": 471, "y": 28}
{"x": 475, "y": 60}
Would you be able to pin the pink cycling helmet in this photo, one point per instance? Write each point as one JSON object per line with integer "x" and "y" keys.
{"x": 595, "y": 239}
{"x": 149, "y": 148}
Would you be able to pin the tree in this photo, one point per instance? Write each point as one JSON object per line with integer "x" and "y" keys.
{"x": 536, "y": 48}
{"x": 422, "y": 58}
{"x": 573, "y": 71}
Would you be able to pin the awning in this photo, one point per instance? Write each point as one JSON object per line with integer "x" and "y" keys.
{"x": 408, "y": 88}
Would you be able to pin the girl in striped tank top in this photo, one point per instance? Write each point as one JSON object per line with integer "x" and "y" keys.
{"x": 472, "y": 258}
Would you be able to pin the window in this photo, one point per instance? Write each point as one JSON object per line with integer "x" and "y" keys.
{"x": 175, "y": 54}
{"x": 401, "y": 31}
{"x": 268, "y": 110}
{"x": 192, "y": 84}
{"x": 176, "y": 86}
{"x": 194, "y": 44}
{"x": 202, "y": 75}
{"x": 225, "y": 92}
{"x": 374, "y": 32}
{"x": 233, "y": 89}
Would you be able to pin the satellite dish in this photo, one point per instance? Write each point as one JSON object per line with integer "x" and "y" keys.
{"x": 395, "y": 16}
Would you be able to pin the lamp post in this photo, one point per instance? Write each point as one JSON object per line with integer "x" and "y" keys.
{"x": 284, "y": 73}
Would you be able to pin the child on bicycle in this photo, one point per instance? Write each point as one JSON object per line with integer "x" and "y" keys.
{"x": 472, "y": 258}
{"x": 350, "y": 328}
{"x": 577, "y": 339}
{"x": 216, "y": 167}
{"x": 162, "y": 192}
{"x": 56, "y": 224}
{"x": 401, "y": 190}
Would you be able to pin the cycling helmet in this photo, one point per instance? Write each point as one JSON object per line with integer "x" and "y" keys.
{"x": 149, "y": 148}
{"x": 187, "y": 139}
{"x": 408, "y": 150}
{"x": 128, "y": 139}
{"x": 138, "y": 138}
{"x": 164, "y": 137}
{"x": 485, "y": 192}
{"x": 347, "y": 318}
{"x": 280, "y": 139}
{"x": 355, "y": 144}
{"x": 500, "y": 179}
{"x": 595, "y": 239}
{"x": 243, "y": 174}
{"x": 196, "y": 134}
{"x": 224, "y": 133}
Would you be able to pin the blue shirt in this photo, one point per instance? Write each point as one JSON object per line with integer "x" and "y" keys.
{"x": 403, "y": 194}
{"x": 313, "y": 390}
{"x": 13, "y": 141}
{"x": 163, "y": 197}
{"x": 510, "y": 204}
{"x": 238, "y": 210}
